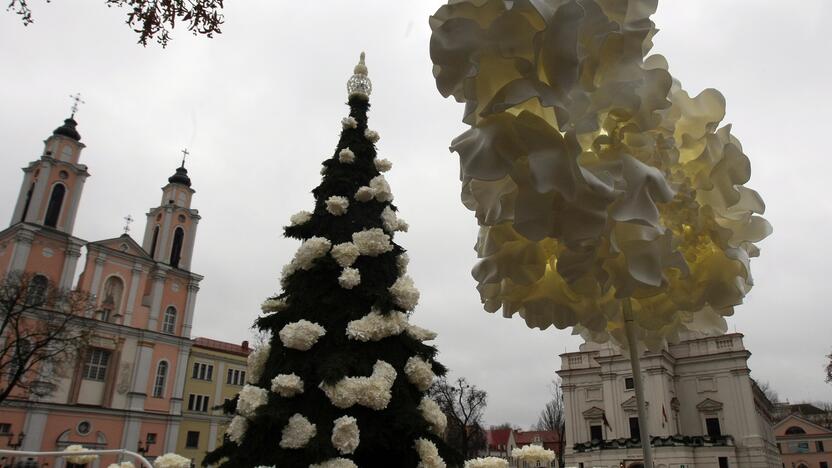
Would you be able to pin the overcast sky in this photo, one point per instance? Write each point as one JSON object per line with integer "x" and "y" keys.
{"x": 259, "y": 108}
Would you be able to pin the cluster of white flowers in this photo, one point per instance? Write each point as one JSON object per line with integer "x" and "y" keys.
{"x": 372, "y": 392}
{"x": 372, "y": 242}
{"x": 433, "y": 415}
{"x": 126, "y": 464}
{"x": 337, "y": 205}
{"x": 336, "y": 463}
{"x": 345, "y": 434}
{"x": 419, "y": 373}
{"x": 237, "y": 429}
{"x": 364, "y": 194}
{"x": 349, "y": 122}
{"x": 346, "y": 156}
{"x": 301, "y": 217}
{"x": 371, "y": 135}
{"x": 376, "y": 326}
{"x": 402, "y": 261}
{"x": 349, "y": 278}
{"x": 383, "y": 165}
{"x": 309, "y": 250}
{"x": 78, "y": 457}
{"x": 345, "y": 254}
{"x": 391, "y": 221}
{"x": 273, "y": 305}
{"x": 419, "y": 333}
{"x": 428, "y": 455}
{"x": 405, "y": 294}
{"x": 533, "y": 453}
{"x": 381, "y": 189}
{"x": 172, "y": 460}
{"x": 250, "y": 398}
{"x": 487, "y": 462}
{"x": 301, "y": 335}
{"x": 297, "y": 433}
{"x": 257, "y": 362}
{"x": 287, "y": 385}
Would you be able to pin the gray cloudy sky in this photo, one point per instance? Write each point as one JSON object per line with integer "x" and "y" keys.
{"x": 259, "y": 107}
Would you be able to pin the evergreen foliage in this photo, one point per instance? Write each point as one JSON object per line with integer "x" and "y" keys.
{"x": 387, "y": 436}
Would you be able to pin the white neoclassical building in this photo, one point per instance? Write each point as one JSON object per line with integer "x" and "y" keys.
{"x": 704, "y": 409}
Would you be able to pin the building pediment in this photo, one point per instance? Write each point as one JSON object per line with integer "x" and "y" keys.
{"x": 124, "y": 244}
{"x": 631, "y": 405}
{"x": 594, "y": 413}
{"x": 709, "y": 405}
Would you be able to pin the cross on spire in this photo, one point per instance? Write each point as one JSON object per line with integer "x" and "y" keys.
{"x": 127, "y": 220}
{"x": 185, "y": 154}
{"x": 76, "y": 101}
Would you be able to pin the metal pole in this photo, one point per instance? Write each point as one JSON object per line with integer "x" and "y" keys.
{"x": 635, "y": 363}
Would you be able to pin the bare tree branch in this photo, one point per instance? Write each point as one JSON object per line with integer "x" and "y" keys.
{"x": 553, "y": 418}
{"x": 463, "y": 405}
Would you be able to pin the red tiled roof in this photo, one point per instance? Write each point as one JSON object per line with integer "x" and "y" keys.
{"x": 218, "y": 345}
{"x": 528, "y": 437}
{"x": 497, "y": 437}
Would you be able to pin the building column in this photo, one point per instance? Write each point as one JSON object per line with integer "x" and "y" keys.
{"x": 212, "y": 435}
{"x": 190, "y": 303}
{"x": 36, "y": 205}
{"x": 72, "y": 209}
{"x": 73, "y": 253}
{"x": 34, "y": 426}
{"x": 189, "y": 243}
{"x": 162, "y": 247}
{"x": 96, "y": 276}
{"x": 135, "y": 280}
{"x": 22, "y": 246}
{"x": 158, "y": 276}
{"x": 141, "y": 374}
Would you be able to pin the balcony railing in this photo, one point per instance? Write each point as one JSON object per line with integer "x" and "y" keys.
{"x": 670, "y": 441}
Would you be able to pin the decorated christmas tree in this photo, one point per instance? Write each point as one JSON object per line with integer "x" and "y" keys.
{"x": 342, "y": 382}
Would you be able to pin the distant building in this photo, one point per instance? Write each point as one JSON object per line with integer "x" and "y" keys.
{"x": 704, "y": 410}
{"x": 500, "y": 443}
{"x": 807, "y": 411}
{"x": 216, "y": 372}
{"x": 802, "y": 443}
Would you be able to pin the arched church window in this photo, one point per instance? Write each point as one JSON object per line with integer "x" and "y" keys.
{"x": 153, "y": 242}
{"x": 161, "y": 376}
{"x": 169, "y": 322}
{"x": 28, "y": 201}
{"x": 113, "y": 292}
{"x": 176, "y": 248}
{"x": 36, "y": 291}
{"x": 56, "y": 200}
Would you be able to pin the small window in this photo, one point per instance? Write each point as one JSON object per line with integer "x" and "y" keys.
{"x": 151, "y": 438}
{"x": 36, "y": 292}
{"x": 153, "y": 242}
{"x": 824, "y": 465}
{"x": 5, "y": 428}
{"x": 56, "y": 200}
{"x": 28, "y": 201}
{"x": 635, "y": 433}
{"x": 819, "y": 446}
{"x": 83, "y": 428}
{"x": 712, "y": 425}
{"x": 235, "y": 377}
{"x": 95, "y": 367}
{"x": 176, "y": 248}
{"x": 169, "y": 322}
{"x": 198, "y": 403}
{"x": 629, "y": 383}
{"x": 192, "y": 439}
{"x": 723, "y": 462}
{"x": 202, "y": 371}
{"x": 161, "y": 376}
{"x": 595, "y": 432}
{"x": 795, "y": 430}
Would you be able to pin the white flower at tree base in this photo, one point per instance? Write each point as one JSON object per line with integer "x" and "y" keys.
{"x": 391, "y": 221}
{"x": 251, "y": 398}
{"x": 336, "y": 463}
{"x": 533, "y": 453}
{"x": 349, "y": 278}
{"x": 301, "y": 217}
{"x": 428, "y": 454}
{"x": 349, "y": 122}
{"x": 273, "y": 305}
{"x": 371, "y": 135}
{"x": 345, "y": 435}
{"x": 372, "y": 242}
{"x": 337, "y": 205}
{"x": 372, "y": 392}
{"x": 487, "y": 462}
{"x": 419, "y": 333}
{"x": 383, "y": 165}
{"x": 433, "y": 415}
{"x": 346, "y": 156}
{"x": 419, "y": 373}
{"x": 172, "y": 460}
{"x": 402, "y": 261}
{"x": 237, "y": 429}
{"x": 297, "y": 433}
{"x": 79, "y": 458}
{"x": 301, "y": 335}
{"x": 405, "y": 294}
{"x": 126, "y": 464}
{"x": 376, "y": 326}
{"x": 311, "y": 249}
{"x": 345, "y": 254}
{"x": 382, "y": 189}
{"x": 364, "y": 194}
{"x": 287, "y": 385}
{"x": 257, "y": 362}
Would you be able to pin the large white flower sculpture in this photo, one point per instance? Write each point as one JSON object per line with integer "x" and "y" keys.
{"x": 594, "y": 176}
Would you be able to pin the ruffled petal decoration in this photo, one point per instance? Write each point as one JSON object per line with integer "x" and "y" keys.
{"x": 592, "y": 174}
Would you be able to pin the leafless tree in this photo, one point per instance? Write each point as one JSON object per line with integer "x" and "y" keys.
{"x": 42, "y": 328}
{"x": 154, "y": 19}
{"x": 768, "y": 391}
{"x": 829, "y": 369}
{"x": 464, "y": 405}
{"x": 553, "y": 418}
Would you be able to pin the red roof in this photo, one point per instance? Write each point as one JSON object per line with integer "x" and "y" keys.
{"x": 217, "y": 345}
{"x": 497, "y": 437}
{"x": 528, "y": 437}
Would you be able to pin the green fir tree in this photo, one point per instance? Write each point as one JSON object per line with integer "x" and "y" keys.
{"x": 342, "y": 382}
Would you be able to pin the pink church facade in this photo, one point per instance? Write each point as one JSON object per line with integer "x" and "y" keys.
{"x": 125, "y": 390}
